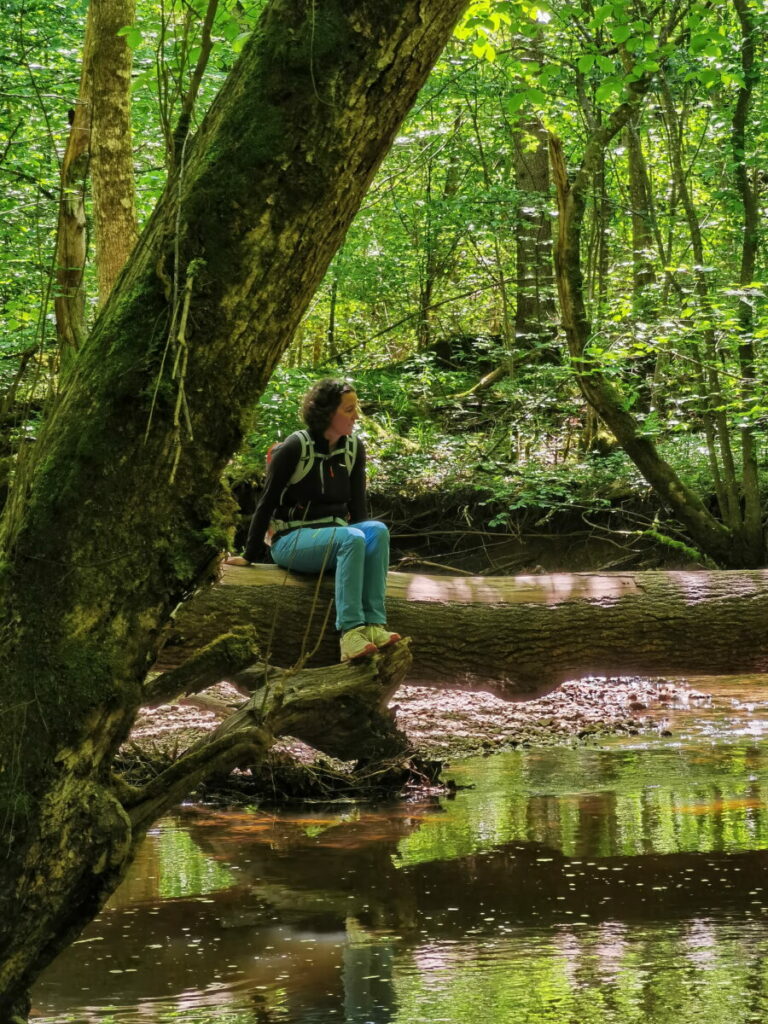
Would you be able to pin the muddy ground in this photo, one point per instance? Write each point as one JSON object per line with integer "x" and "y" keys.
{"x": 441, "y": 726}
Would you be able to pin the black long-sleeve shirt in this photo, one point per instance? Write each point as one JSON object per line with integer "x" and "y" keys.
{"x": 327, "y": 490}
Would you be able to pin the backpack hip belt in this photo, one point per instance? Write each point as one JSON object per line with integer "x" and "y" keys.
{"x": 277, "y": 527}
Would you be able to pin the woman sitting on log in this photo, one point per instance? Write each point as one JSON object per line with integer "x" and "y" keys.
{"x": 312, "y": 512}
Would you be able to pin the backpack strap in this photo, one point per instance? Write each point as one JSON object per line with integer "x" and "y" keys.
{"x": 304, "y": 461}
{"x": 350, "y": 451}
{"x": 306, "y": 456}
{"x": 309, "y": 454}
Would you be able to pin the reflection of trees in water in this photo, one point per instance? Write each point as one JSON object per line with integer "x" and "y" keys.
{"x": 604, "y": 974}
{"x": 326, "y": 918}
{"x": 286, "y": 934}
{"x": 354, "y": 868}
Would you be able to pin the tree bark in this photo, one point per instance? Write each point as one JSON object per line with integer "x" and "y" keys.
{"x": 516, "y": 637}
{"x": 114, "y": 189}
{"x": 115, "y": 514}
{"x": 535, "y": 313}
{"x": 643, "y": 273}
{"x": 72, "y": 227}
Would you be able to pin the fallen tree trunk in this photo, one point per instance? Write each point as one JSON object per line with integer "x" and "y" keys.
{"x": 513, "y": 636}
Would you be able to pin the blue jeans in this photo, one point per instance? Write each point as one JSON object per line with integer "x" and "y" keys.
{"x": 360, "y": 556}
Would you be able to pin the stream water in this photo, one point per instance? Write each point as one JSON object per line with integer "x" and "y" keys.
{"x": 589, "y": 886}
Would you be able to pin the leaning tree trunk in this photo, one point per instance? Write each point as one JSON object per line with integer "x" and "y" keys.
{"x": 113, "y": 520}
{"x": 515, "y": 636}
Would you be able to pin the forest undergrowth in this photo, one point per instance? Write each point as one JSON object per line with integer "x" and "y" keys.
{"x": 508, "y": 479}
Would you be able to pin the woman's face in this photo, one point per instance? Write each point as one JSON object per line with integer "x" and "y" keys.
{"x": 345, "y": 417}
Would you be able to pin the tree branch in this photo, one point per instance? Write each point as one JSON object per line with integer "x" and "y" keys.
{"x": 341, "y": 709}
{"x": 215, "y": 754}
{"x": 228, "y": 654}
{"x": 190, "y": 97}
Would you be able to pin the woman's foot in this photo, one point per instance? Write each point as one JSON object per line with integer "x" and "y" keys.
{"x": 380, "y": 635}
{"x": 356, "y": 643}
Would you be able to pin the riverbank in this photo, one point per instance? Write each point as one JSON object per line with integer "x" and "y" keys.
{"x": 441, "y": 726}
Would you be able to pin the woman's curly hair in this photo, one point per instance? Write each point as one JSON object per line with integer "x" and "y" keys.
{"x": 321, "y": 402}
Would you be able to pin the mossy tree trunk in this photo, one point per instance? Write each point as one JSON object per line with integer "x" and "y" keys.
{"x": 72, "y": 227}
{"x": 99, "y": 147}
{"x": 113, "y": 518}
{"x": 114, "y": 188}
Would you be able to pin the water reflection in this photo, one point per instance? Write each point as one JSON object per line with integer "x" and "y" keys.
{"x": 568, "y": 885}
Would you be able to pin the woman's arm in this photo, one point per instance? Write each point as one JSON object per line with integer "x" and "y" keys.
{"x": 279, "y": 472}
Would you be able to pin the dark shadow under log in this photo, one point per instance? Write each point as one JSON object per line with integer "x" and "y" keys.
{"x": 513, "y": 636}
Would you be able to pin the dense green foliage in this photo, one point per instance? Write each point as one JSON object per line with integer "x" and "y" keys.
{"x": 454, "y": 241}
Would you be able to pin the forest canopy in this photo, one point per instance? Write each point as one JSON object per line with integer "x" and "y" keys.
{"x": 449, "y": 262}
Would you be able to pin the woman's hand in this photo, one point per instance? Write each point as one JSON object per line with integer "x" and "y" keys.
{"x": 236, "y": 560}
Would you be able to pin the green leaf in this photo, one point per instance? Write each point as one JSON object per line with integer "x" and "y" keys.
{"x": 708, "y": 78}
{"x": 498, "y": 18}
{"x": 603, "y": 12}
{"x": 621, "y": 33}
{"x": 230, "y": 29}
{"x": 699, "y": 41}
{"x": 586, "y": 62}
{"x": 240, "y": 41}
{"x": 608, "y": 89}
{"x": 537, "y": 97}
{"x": 548, "y": 74}
{"x": 513, "y": 103}
{"x": 132, "y": 34}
